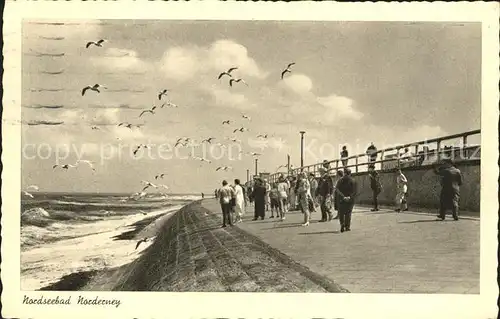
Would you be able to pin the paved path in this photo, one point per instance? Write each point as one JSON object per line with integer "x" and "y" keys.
{"x": 384, "y": 252}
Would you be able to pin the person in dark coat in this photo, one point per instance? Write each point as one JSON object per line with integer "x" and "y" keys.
{"x": 376, "y": 187}
{"x": 259, "y": 198}
{"x": 336, "y": 196}
{"x": 347, "y": 189}
{"x": 451, "y": 180}
{"x": 325, "y": 190}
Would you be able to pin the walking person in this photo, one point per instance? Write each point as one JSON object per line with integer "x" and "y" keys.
{"x": 347, "y": 189}
{"x": 376, "y": 187}
{"x": 303, "y": 193}
{"x": 259, "y": 198}
{"x": 344, "y": 154}
{"x": 292, "y": 203}
{"x": 313, "y": 182}
{"x": 451, "y": 180}
{"x": 325, "y": 190}
{"x": 239, "y": 207}
{"x": 225, "y": 195}
{"x": 402, "y": 189}
{"x": 283, "y": 188}
{"x": 268, "y": 199}
{"x": 371, "y": 152}
{"x": 336, "y": 196}
{"x": 273, "y": 195}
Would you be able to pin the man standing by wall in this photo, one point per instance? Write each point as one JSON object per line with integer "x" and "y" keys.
{"x": 325, "y": 190}
{"x": 346, "y": 187}
{"x": 451, "y": 180}
{"x": 376, "y": 187}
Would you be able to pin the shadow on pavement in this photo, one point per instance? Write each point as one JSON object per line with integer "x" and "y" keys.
{"x": 321, "y": 232}
{"x": 424, "y": 221}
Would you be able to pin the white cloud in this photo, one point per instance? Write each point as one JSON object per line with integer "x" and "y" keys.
{"x": 299, "y": 83}
{"x": 224, "y": 97}
{"x": 184, "y": 63}
{"x": 180, "y": 63}
{"x": 338, "y": 108}
{"x": 226, "y": 53}
{"x": 120, "y": 60}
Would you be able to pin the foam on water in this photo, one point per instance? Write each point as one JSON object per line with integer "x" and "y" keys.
{"x": 83, "y": 247}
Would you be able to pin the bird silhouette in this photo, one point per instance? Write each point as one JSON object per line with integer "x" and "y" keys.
{"x": 162, "y": 93}
{"x": 226, "y": 122}
{"x": 90, "y": 163}
{"x": 287, "y": 70}
{"x": 94, "y": 87}
{"x": 228, "y": 73}
{"x": 237, "y": 80}
{"x": 97, "y": 44}
{"x": 208, "y": 140}
{"x": 65, "y": 166}
{"x": 138, "y": 148}
{"x": 128, "y": 125}
{"x": 223, "y": 168}
{"x": 146, "y": 111}
{"x": 28, "y": 194}
{"x": 241, "y": 129}
{"x": 140, "y": 242}
{"x": 148, "y": 185}
{"x": 233, "y": 139}
{"x": 246, "y": 117}
{"x": 262, "y": 135}
{"x": 94, "y": 128}
{"x": 159, "y": 176}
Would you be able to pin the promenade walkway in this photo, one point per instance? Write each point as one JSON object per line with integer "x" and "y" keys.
{"x": 385, "y": 251}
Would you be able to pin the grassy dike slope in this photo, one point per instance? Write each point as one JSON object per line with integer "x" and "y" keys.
{"x": 192, "y": 253}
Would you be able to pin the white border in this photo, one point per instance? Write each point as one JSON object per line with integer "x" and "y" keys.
{"x": 254, "y": 305}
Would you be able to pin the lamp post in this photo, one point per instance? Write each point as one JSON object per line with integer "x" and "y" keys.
{"x": 248, "y": 175}
{"x": 256, "y": 166}
{"x": 302, "y": 148}
{"x": 288, "y": 164}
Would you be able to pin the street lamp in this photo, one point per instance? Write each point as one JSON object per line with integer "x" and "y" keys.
{"x": 302, "y": 148}
{"x": 256, "y": 161}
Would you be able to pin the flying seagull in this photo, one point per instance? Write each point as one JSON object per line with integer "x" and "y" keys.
{"x": 94, "y": 87}
{"x": 162, "y": 93}
{"x": 97, "y": 44}
{"x": 159, "y": 176}
{"x": 148, "y": 111}
{"x": 90, "y": 163}
{"x": 237, "y": 80}
{"x": 228, "y": 73}
{"x": 27, "y": 194}
{"x": 262, "y": 135}
{"x": 94, "y": 127}
{"x": 246, "y": 117}
{"x": 139, "y": 147}
{"x": 65, "y": 166}
{"x": 223, "y": 168}
{"x": 241, "y": 129}
{"x": 148, "y": 184}
{"x": 202, "y": 159}
{"x": 169, "y": 104}
{"x": 287, "y": 70}
{"x": 128, "y": 125}
{"x": 234, "y": 139}
{"x": 209, "y": 140}
{"x": 226, "y": 122}
{"x": 140, "y": 242}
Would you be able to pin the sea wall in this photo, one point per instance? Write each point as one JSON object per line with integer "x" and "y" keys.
{"x": 423, "y": 186}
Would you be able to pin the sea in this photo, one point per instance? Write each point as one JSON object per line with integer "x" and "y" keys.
{"x": 65, "y": 233}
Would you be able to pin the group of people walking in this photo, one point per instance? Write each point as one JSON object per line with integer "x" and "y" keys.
{"x": 308, "y": 193}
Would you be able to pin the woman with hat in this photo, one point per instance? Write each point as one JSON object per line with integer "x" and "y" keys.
{"x": 259, "y": 197}
{"x": 303, "y": 192}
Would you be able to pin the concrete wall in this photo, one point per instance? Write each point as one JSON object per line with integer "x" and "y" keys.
{"x": 423, "y": 186}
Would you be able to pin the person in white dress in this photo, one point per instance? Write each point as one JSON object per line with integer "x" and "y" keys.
{"x": 239, "y": 208}
{"x": 402, "y": 189}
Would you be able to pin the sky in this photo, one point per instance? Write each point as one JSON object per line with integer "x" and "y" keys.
{"x": 352, "y": 83}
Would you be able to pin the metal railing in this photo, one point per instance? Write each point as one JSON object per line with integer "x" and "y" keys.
{"x": 422, "y": 153}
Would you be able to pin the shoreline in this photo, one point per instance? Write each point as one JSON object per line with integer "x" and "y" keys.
{"x": 116, "y": 244}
